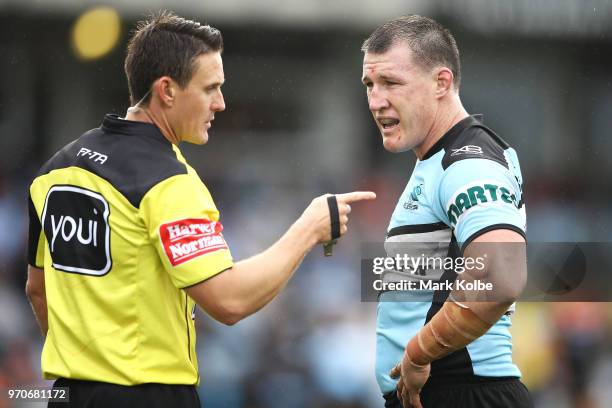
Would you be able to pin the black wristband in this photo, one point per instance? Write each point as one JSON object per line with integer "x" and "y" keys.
{"x": 334, "y": 216}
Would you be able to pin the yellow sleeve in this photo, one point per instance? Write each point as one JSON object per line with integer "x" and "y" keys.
{"x": 183, "y": 225}
{"x": 36, "y": 238}
{"x": 40, "y": 251}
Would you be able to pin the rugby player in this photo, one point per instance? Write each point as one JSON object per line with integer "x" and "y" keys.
{"x": 445, "y": 351}
{"x": 125, "y": 239}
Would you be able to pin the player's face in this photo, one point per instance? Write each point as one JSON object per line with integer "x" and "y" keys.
{"x": 401, "y": 97}
{"x": 197, "y": 103}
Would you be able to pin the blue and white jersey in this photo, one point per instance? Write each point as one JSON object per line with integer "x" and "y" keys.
{"x": 468, "y": 183}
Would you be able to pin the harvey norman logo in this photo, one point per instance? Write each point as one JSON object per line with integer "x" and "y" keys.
{"x": 190, "y": 238}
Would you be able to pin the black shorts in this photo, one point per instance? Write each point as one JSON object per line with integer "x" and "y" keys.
{"x": 477, "y": 392}
{"x": 91, "y": 394}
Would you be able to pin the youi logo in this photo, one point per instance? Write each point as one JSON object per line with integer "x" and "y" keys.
{"x": 75, "y": 221}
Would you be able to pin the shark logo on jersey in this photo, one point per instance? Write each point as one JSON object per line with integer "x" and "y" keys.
{"x": 477, "y": 194}
{"x": 412, "y": 203}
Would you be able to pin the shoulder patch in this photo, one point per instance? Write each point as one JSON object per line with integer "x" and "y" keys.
{"x": 475, "y": 142}
{"x": 186, "y": 239}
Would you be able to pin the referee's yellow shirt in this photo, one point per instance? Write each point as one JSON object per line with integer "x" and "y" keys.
{"x": 121, "y": 223}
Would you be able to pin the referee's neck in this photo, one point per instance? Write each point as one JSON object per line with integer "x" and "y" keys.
{"x": 146, "y": 115}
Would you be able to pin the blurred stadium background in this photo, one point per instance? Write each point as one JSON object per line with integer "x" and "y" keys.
{"x": 297, "y": 126}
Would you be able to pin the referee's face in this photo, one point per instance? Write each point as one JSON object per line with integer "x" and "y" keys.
{"x": 401, "y": 97}
{"x": 195, "y": 105}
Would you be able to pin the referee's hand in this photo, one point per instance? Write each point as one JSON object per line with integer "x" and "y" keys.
{"x": 411, "y": 378}
{"x": 317, "y": 214}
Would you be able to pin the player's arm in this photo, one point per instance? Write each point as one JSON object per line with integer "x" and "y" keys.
{"x": 489, "y": 220}
{"x": 461, "y": 320}
{"x": 252, "y": 283}
{"x": 35, "y": 291}
{"x": 458, "y": 323}
{"x": 35, "y": 285}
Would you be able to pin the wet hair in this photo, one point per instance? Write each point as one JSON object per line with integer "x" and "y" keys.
{"x": 166, "y": 45}
{"x": 431, "y": 44}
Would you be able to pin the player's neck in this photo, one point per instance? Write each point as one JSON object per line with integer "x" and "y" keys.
{"x": 142, "y": 114}
{"x": 444, "y": 120}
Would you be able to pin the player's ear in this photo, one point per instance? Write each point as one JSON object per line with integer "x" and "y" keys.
{"x": 165, "y": 89}
{"x": 444, "y": 81}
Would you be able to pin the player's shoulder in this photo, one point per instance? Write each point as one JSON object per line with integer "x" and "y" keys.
{"x": 132, "y": 156}
{"x": 474, "y": 140}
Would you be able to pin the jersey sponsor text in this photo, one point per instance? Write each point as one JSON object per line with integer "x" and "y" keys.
{"x": 75, "y": 221}
{"x": 475, "y": 194}
{"x": 92, "y": 155}
{"x": 187, "y": 239}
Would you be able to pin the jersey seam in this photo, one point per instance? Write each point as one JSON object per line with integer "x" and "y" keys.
{"x": 187, "y": 324}
{"x": 417, "y": 228}
{"x": 186, "y": 173}
{"x": 90, "y": 172}
{"x": 207, "y": 278}
{"x": 493, "y": 227}
{"x": 493, "y": 159}
{"x": 166, "y": 180}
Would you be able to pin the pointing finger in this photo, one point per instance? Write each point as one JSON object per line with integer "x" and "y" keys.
{"x": 356, "y": 196}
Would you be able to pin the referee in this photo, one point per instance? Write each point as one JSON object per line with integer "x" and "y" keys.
{"x": 464, "y": 198}
{"x": 125, "y": 239}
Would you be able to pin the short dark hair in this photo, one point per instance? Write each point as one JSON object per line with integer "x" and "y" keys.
{"x": 431, "y": 43}
{"x": 166, "y": 44}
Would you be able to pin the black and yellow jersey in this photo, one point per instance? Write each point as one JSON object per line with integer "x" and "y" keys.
{"x": 121, "y": 223}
